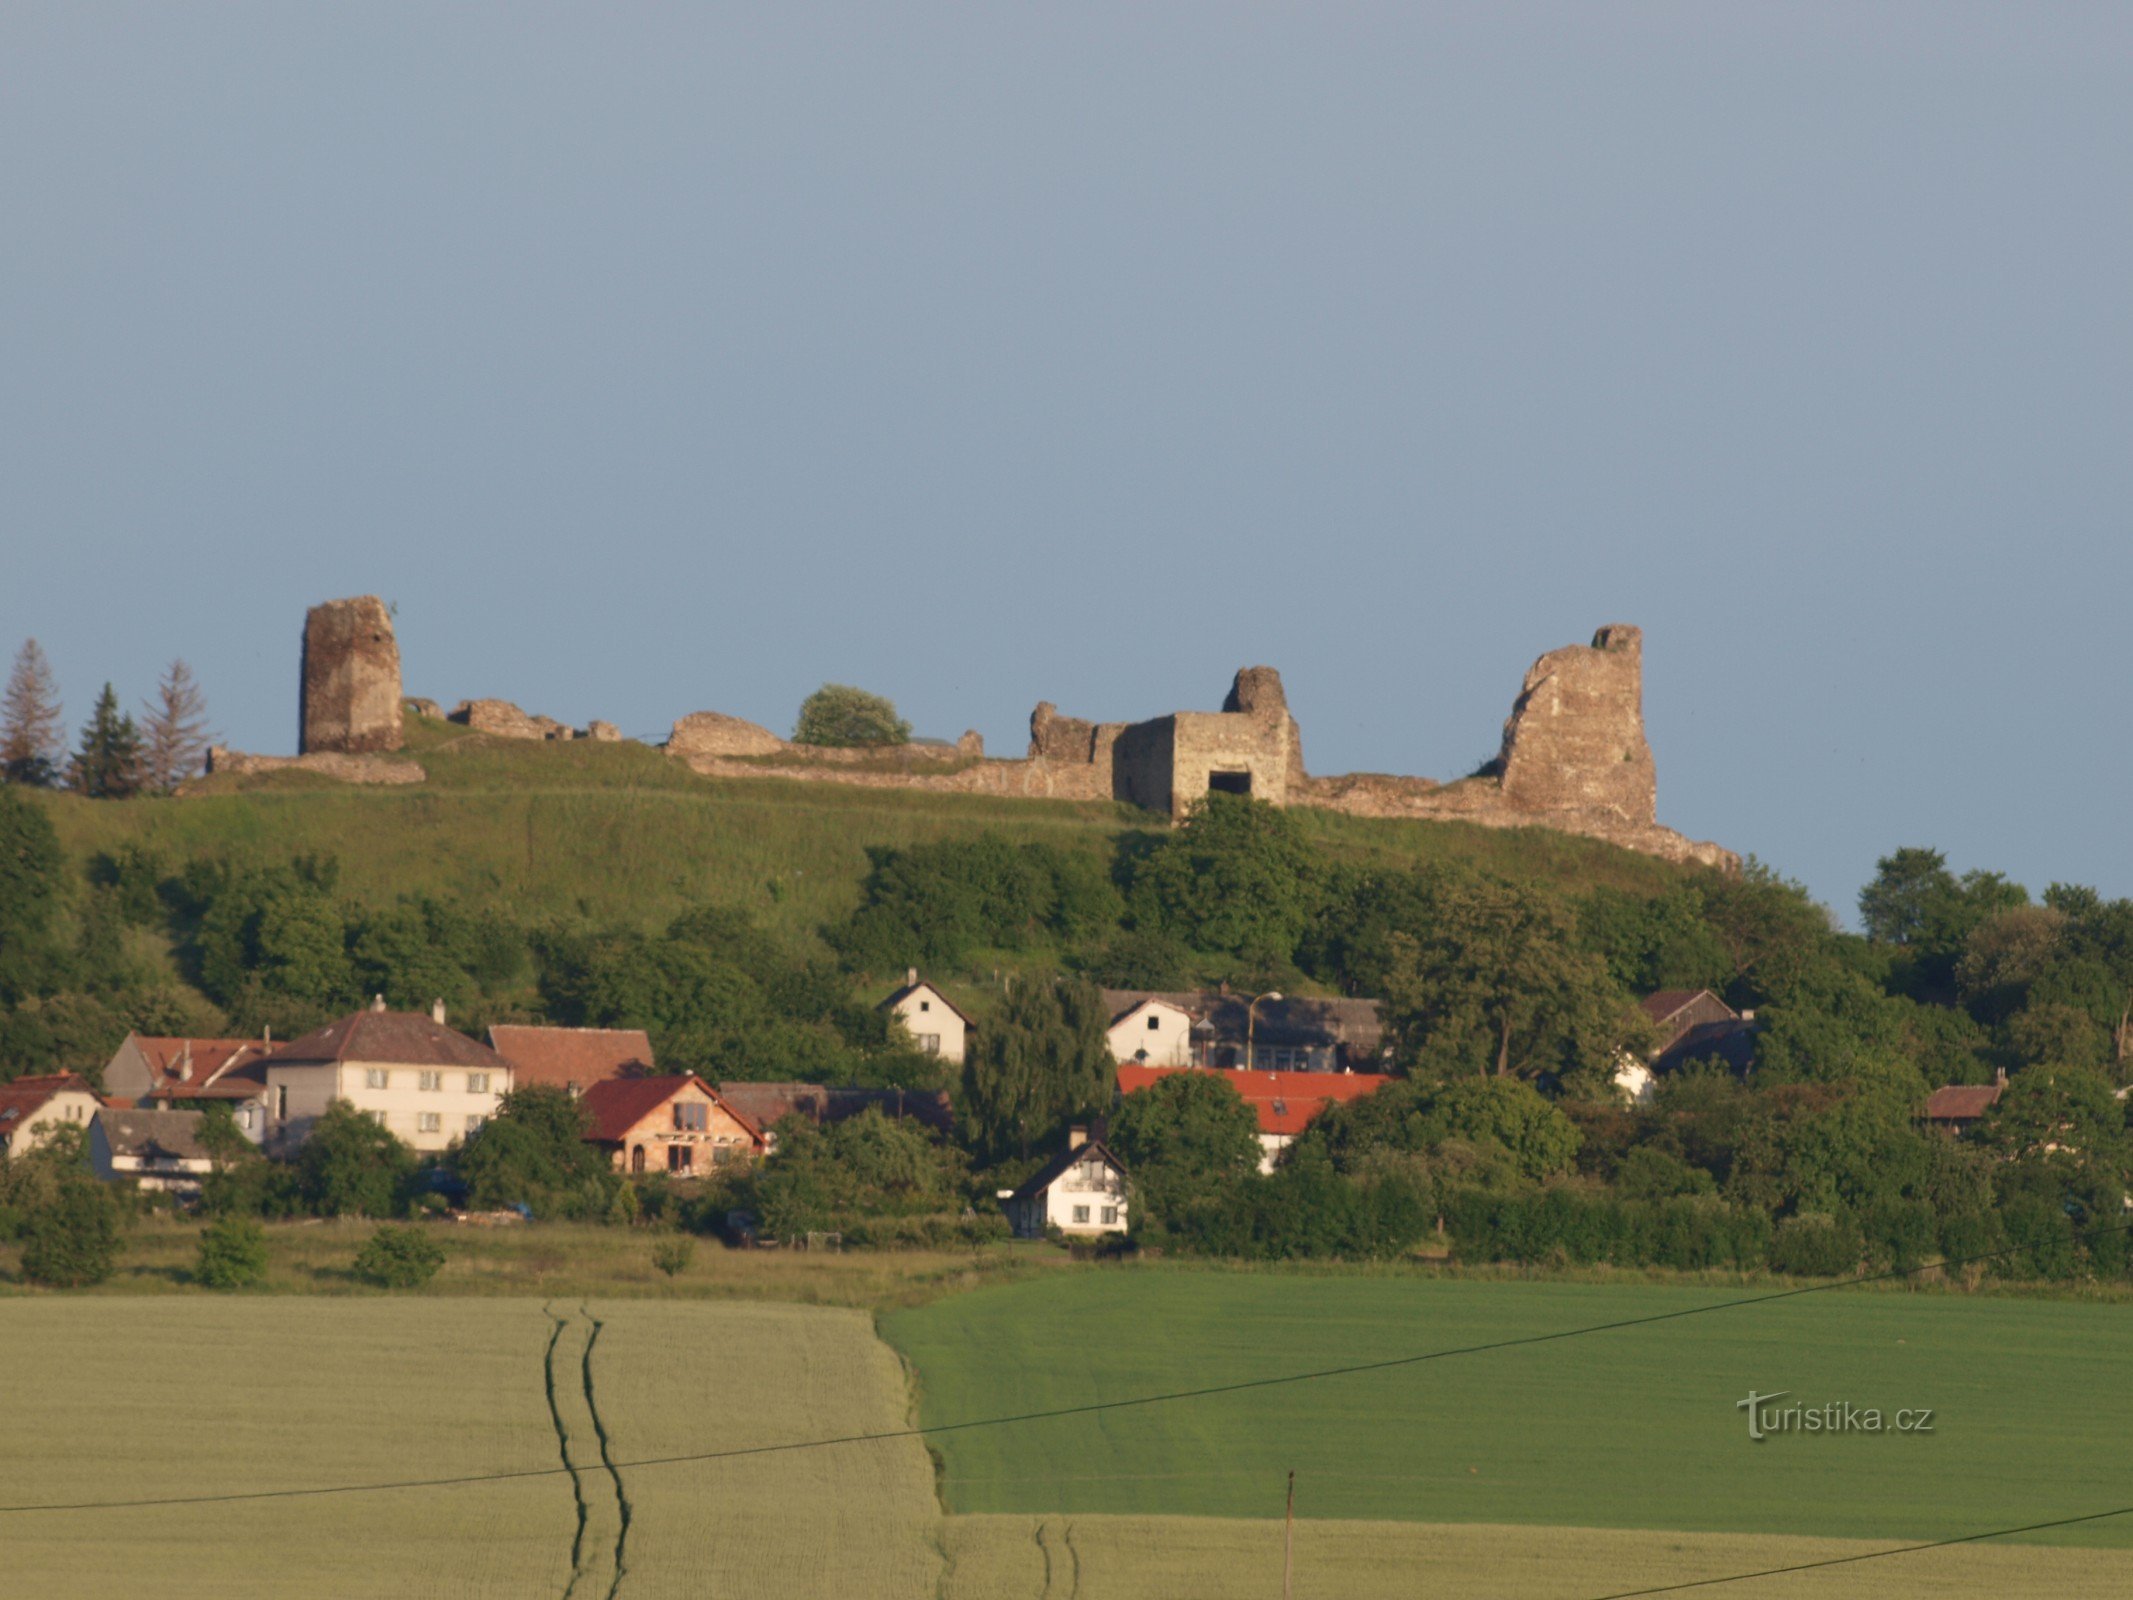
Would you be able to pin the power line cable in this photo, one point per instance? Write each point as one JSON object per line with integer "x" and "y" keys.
{"x": 1866, "y": 1555}
{"x": 1088, "y": 1408}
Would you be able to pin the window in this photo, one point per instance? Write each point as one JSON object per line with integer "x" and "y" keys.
{"x": 636, "y": 1158}
{"x": 429, "y": 1081}
{"x": 474, "y": 1121}
{"x": 1229, "y": 783}
{"x": 1109, "y": 1215}
{"x": 691, "y": 1116}
{"x": 1081, "y": 1213}
{"x": 244, "y": 1116}
{"x": 929, "y": 1044}
{"x": 376, "y": 1078}
{"x": 428, "y": 1122}
{"x": 281, "y": 1101}
{"x": 925, "y": 1005}
{"x": 1155, "y": 1022}
{"x": 376, "y": 1116}
{"x": 477, "y": 1083}
{"x": 681, "y": 1158}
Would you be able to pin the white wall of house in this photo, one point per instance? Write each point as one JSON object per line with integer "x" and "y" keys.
{"x": 934, "y": 1025}
{"x": 1634, "y": 1079}
{"x": 69, "y": 1107}
{"x": 1086, "y": 1200}
{"x": 427, "y": 1108}
{"x": 1154, "y": 1032}
{"x": 179, "y": 1175}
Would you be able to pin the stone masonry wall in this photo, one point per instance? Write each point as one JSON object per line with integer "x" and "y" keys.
{"x": 350, "y": 679}
{"x": 1575, "y": 738}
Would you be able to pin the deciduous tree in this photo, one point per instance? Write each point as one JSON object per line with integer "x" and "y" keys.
{"x": 174, "y": 730}
{"x": 31, "y": 740}
{"x": 839, "y": 715}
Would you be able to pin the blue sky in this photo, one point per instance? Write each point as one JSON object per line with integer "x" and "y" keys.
{"x": 654, "y": 359}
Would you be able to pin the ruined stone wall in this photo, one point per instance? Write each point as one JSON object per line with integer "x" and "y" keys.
{"x": 1575, "y": 738}
{"x": 383, "y": 769}
{"x": 350, "y": 679}
{"x": 1142, "y": 764}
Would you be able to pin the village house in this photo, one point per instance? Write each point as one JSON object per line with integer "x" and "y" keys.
{"x": 573, "y": 1059}
{"x": 31, "y": 1109}
{"x": 175, "y": 1074}
{"x": 1282, "y": 1102}
{"x": 1956, "y": 1108}
{"x": 153, "y": 1150}
{"x": 1214, "y": 1028}
{"x": 1688, "y": 1025}
{"x": 936, "y": 1023}
{"x": 418, "y": 1079}
{"x": 1081, "y": 1192}
{"x": 676, "y": 1125}
{"x": 768, "y": 1104}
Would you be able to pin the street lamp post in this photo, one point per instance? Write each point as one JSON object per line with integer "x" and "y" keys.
{"x": 1251, "y": 1020}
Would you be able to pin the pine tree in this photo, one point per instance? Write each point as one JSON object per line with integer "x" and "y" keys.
{"x": 30, "y": 740}
{"x": 174, "y": 729}
{"x": 108, "y": 764}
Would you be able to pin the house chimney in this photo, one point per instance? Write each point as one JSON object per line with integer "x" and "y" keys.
{"x": 910, "y": 976}
{"x": 1077, "y": 1137}
{"x": 1999, "y": 1077}
{"x": 377, "y": 1002}
{"x": 437, "y": 1011}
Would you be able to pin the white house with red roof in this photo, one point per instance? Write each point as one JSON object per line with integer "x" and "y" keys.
{"x": 159, "y": 1071}
{"x": 1283, "y": 1102}
{"x": 678, "y": 1125}
{"x": 31, "y": 1108}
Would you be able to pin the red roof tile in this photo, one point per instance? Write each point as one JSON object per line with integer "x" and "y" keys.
{"x": 571, "y": 1058}
{"x": 178, "y": 1062}
{"x": 617, "y": 1105}
{"x": 1284, "y": 1102}
{"x": 25, "y": 1097}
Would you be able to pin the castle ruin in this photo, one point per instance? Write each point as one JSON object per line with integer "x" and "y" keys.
{"x": 351, "y": 679}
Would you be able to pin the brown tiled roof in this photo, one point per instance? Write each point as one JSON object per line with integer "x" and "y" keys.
{"x": 1048, "y": 1174}
{"x": 903, "y": 991}
{"x": 616, "y": 1105}
{"x": 180, "y": 1062}
{"x": 1961, "y": 1102}
{"x": 23, "y": 1098}
{"x": 396, "y": 1038}
{"x": 1667, "y": 1002}
{"x": 1292, "y": 1022}
{"x": 767, "y": 1104}
{"x": 566, "y": 1058}
{"x": 1677, "y": 1014}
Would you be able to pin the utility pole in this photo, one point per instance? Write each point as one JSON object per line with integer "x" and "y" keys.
{"x": 1288, "y": 1540}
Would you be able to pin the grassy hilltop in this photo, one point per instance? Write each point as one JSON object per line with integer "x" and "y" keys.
{"x": 618, "y": 833}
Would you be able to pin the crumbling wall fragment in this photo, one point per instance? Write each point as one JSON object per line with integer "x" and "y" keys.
{"x": 713, "y": 733}
{"x": 1575, "y": 738}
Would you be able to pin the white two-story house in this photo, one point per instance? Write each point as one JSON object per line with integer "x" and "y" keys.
{"x": 1081, "y": 1192}
{"x": 421, "y": 1081}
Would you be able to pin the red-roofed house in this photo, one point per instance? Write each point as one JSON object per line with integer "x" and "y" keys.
{"x": 571, "y": 1058}
{"x": 31, "y": 1107}
{"x": 677, "y": 1125}
{"x": 184, "y": 1074}
{"x": 1284, "y": 1102}
{"x": 1958, "y": 1107}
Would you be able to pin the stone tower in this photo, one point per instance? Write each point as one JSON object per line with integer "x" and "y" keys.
{"x": 351, "y": 678}
{"x": 1575, "y": 738}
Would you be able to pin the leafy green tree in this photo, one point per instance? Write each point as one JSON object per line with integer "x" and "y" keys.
{"x": 2004, "y": 956}
{"x": 1917, "y": 905}
{"x": 868, "y": 1166}
{"x": 30, "y": 740}
{"x": 1652, "y": 942}
{"x": 1420, "y": 1117}
{"x": 1236, "y": 879}
{"x": 2066, "y": 1110}
{"x": 1044, "y": 1059}
{"x": 233, "y": 1254}
{"x": 352, "y": 1166}
{"x": 1184, "y": 1137}
{"x": 533, "y": 1152}
{"x": 107, "y": 766}
{"x": 32, "y": 888}
{"x": 399, "y": 1257}
{"x": 71, "y": 1238}
{"x": 1500, "y": 985}
{"x": 841, "y": 716}
{"x": 934, "y": 904}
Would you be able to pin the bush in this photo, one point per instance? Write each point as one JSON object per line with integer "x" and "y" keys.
{"x": 399, "y": 1258}
{"x": 1815, "y": 1245}
{"x": 71, "y": 1239}
{"x": 839, "y": 715}
{"x": 233, "y": 1254}
{"x": 672, "y": 1254}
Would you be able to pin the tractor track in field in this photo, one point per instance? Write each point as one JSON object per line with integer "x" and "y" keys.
{"x": 584, "y": 1570}
{"x": 623, "y": 1509}
{"x": 562, "y": 1444}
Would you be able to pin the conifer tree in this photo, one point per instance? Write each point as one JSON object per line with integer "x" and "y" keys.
{"x": 108, "y": 764}
{"x": 174, "y": 730}
{"x": 30, "y": 742}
